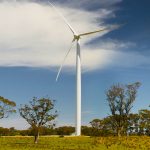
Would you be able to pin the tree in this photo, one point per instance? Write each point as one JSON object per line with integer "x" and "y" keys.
{"x": 96, "y": 123}
{"x": 144, "y": 123}
{"x": 102, "y": 127}
{"x": 120, "y": 99}
{"x": 6, "y": 107}
{"x": 65, "y": 130}
{"x": 90, "y": 131}
{"x": 133, "y": 124}
{"x": 39, "y": 113}
{"x": 4, "y": 131}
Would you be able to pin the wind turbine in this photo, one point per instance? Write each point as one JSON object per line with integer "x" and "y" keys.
{"x": 76, "y": 38}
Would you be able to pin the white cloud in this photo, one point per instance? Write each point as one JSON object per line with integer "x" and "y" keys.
{"x": 34, "y": 35}
{"x": 131, "y": 59}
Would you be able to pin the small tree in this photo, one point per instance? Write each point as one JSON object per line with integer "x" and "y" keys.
{"x": 120, "y": 99}
{"x": 6, "y": 107}
{"x": 39, "y": 113}
{"x": 133, "y": 123}
{"x": 102, "y": 127}
{"x": 96, "y": 123}
{"x": 144, "y": 122}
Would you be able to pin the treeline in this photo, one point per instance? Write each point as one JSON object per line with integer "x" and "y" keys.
{"x": 65, "y": 130}
{"x": 137, "y": 124}
{"x": 40, "y": 114}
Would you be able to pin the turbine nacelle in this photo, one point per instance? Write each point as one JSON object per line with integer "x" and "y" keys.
{"x": 76, "y": 37}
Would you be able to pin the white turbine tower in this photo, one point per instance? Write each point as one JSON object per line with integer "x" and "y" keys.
{"x": 76, "y": 38}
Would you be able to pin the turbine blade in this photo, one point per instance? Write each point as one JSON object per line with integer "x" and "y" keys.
{"x": 88, "y": 33}
{"x": 111, "y": 28}
{"x": 61, "y": 66}
{"x": 65, "y": 20}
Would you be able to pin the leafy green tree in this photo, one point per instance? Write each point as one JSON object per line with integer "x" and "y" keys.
{"x": 97, "y": 123}
{"x": 25, "y": 132}
{"x": 90, "y": 131}
{"x": 102, "y": 127}
{"x": 120, "y": 99}
{"x": 4, "y": 131}
{"x": 144, "y": 123}
{"x": 7, "y": 107}
{"x": 65, "y": 130}
{"x": 133, "y": 124}
{"x": 39, "y": 113}
{"x": 8, "y": 131}
{"x": 48, "y": 131}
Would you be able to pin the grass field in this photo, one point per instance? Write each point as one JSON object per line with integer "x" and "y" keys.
{"x": 75, "y": 143}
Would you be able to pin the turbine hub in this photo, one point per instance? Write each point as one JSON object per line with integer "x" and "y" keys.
{"x": 76, "y": 37}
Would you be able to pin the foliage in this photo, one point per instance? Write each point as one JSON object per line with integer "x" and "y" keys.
{"x": 133, "y": 124}
{"x": 101, "y": 127}
{"x": 144, "y": 121}
{"x": 6, "y": 107}
{"x": 8, "y": 131}
{"x": 120, "y": 99}
{"x": 65, "y": 130}
{"x": 39, "y": 113}
{"x": 138, "y": 124}
{"x": 125, "y": 142}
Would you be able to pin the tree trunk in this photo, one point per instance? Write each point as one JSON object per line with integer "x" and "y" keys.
{"x": 36, "y": 137}
{"x": 119, "y": 131}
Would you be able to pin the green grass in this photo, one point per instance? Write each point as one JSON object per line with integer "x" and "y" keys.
{"x": 75, "y": 143}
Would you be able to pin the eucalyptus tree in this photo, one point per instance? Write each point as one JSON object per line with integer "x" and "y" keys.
{"x": 144, "y": 122}
{"x": 120, "y": 99}
{"x": 7, "y": 107}
{"x": 39, "y": 113}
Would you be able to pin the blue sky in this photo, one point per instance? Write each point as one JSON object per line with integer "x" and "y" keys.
{"x": 34, "y": 40}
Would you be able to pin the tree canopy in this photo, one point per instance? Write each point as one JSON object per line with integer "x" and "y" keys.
{"x": 39, "y": 113}
{"x": 6, "y": 107}
{"x": 120, "y": 99}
